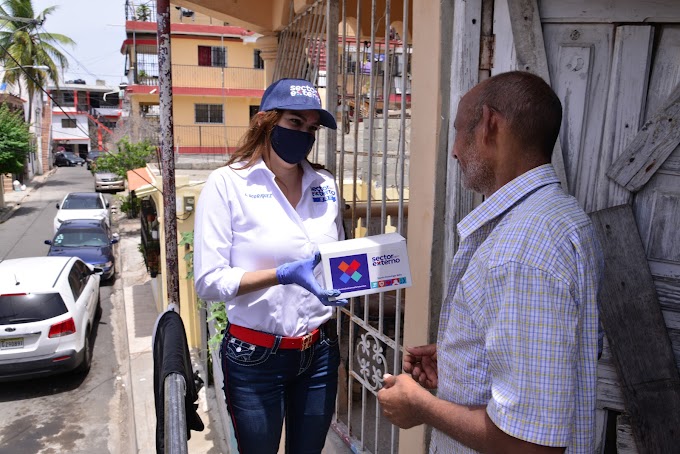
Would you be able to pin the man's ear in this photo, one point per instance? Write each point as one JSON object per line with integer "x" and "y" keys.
{"x": 489, "y": 125}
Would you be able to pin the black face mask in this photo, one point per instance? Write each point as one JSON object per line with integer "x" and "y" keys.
{"x": 292, "y": 146}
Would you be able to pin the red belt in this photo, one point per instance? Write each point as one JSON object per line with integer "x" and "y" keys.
{"x": 267, "y": 340}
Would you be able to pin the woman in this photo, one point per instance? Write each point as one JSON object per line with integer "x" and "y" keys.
{"x": 258, "y": 223}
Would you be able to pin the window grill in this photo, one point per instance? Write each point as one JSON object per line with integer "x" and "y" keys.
{"x": 365, "y": 76}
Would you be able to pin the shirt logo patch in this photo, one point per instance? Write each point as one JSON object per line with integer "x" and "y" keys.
{"x": 323, "y": 194}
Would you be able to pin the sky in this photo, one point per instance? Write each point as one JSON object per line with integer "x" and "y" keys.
{"x": 98, "y": 29}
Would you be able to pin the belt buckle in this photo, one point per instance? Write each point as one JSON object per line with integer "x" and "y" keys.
{"x": 306, "y": 341}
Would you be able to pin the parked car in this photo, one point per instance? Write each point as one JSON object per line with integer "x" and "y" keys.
{"x": 82, "y": 205}
{"x": 48, "y": 310}
{"x": 67, "y": 159}
{"x": 108, "y": 181}
{"x": 91, "y": 159}
{"x": 91, "y": 240}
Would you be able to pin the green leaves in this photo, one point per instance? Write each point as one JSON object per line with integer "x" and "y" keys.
{"x": 128, "y": 156}
{"x": 14, "y": 141}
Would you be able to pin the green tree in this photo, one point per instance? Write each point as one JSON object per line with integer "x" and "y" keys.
{"x": 14, "y": 141}
{"x": 128, "y": 156}
{"x": 24, "y": 43}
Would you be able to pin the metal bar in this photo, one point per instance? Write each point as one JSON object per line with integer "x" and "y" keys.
{"x": 285, "y": 60}
{"x": 403, "y": 209}
{"x": 340, "y": 176}
{"x": 406, "y": 54}
{"x": 298, "y": 44}
{"x": 331, "y": 22}
{"x": 311, "y": 25}
{"x": 175, "y": 418}
{"x": 167, "y": 161}
{"x": 385, "y": 111}
{"x": 327, "y": 9}
{"x": 357, "y": 112}
{"x": 307, "y": 68}
{"x": 284, "y": 44}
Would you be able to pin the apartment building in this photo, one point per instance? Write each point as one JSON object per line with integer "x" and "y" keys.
{"x": 217, "y": 79}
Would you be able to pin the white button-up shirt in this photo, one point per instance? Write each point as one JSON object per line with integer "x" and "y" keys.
{"x": 245, "y": 223}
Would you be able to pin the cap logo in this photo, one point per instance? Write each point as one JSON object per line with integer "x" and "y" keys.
{"x": 302, "y": 90}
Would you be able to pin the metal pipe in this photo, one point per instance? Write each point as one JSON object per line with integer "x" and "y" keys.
{"x": 166, "y": 140}
{"x": 331, "y": 43}
{"x": 175, "y": 418}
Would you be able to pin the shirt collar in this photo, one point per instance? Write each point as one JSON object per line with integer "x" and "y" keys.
{"x": 506, "y": 197}
{"x": 309, "y": 175}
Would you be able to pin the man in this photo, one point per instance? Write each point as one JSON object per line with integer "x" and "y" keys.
{"x": 515, "y": 359}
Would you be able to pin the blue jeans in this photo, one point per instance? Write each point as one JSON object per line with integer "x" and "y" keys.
{"x": 262, "y": 386}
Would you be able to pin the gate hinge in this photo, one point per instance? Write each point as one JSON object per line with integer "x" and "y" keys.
{"x": 486, "y": 51}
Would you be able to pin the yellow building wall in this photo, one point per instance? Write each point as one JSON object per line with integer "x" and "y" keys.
{"x": 188, "y": 300}
{"x": 185, "y": 50}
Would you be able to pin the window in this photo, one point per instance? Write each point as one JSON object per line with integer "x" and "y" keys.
{"x": 258, "y": 63}
{"x": 75, "y": 280}
{"x": 212, "y": 56}
{"x": 208, "y": 113}
{"x": 64, "y": 98}
{"x": 30, "y": 307}
{"x": 68, "y": 123}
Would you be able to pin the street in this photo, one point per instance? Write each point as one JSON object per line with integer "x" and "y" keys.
{"x": 67, "y": 413}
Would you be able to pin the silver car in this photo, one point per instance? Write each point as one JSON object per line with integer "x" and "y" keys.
{"x": 108, "y": 182}
{"x": 48, "y": 310}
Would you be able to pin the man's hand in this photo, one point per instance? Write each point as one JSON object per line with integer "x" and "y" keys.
{"x": 421, "y": 363}
{"x": 402, "y": 400}
{"x": 301, "y": 273}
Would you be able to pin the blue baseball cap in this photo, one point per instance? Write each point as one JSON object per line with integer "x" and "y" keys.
{"x": 295, "y": 94}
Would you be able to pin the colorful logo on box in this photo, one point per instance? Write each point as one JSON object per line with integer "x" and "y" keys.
{"x": 350, "y": 273}
{"x": 388, "y": 282}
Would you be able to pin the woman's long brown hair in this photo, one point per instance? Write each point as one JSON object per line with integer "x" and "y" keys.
{"x": 255, "y": 144}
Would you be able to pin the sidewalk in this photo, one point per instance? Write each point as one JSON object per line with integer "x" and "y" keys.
{"x": 138, "y": 291}
{"x": 14, "y": 199}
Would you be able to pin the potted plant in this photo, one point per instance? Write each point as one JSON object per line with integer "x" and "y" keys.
{"x": 143, "y": 13}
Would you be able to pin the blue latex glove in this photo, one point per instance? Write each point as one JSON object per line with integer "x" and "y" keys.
{"x": 301, "y": 273}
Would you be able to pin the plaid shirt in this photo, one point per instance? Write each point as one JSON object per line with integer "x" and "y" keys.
{"x": 518, "y": 331}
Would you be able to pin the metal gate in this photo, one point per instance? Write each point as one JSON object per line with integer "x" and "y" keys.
{"x": 358, "y": 54}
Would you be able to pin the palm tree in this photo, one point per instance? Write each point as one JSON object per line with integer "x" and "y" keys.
{"x": 23, "y": 44}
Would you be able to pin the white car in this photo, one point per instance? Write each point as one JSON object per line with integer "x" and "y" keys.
{"x": 48, "y": 310}
{"x": 82, "y": 205}
{"x": 108, "y": 181}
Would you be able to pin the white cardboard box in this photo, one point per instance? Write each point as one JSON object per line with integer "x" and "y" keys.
{"x": 366, "y": 265}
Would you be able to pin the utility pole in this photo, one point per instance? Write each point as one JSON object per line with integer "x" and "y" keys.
{"x": 167, "y": 157}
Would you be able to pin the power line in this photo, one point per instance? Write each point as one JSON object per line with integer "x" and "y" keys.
{"x": 56, "y": 42}
{"x": 37, "y": 84}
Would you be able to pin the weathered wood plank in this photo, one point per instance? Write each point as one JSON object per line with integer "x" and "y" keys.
{"x": 654, "y": 143}
{"x": 610, "y": 11}
{"x": 580, "y": 57}
{"x": 625, "y": 442}
{"x": 530, "y": 55}
{"x": 600, "y": 430}
{"x": 625, "y": 105}
{"x": 636, "y": 330}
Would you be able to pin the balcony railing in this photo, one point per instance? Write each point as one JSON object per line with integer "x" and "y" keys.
{"x": 193, "y": 76}
{"x": 207, "y": 139}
